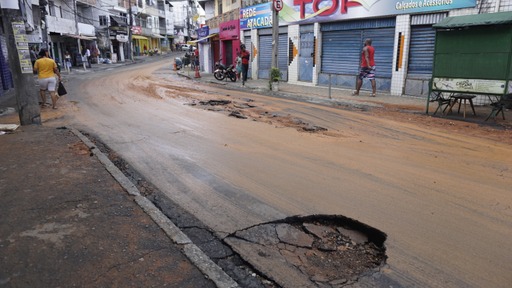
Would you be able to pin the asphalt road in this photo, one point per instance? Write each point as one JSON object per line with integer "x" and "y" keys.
{"x": 442, "y": 198}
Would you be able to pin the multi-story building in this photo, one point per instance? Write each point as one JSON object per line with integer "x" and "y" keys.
{"x": 103, "y": 27}
{"x": 186, "y": 20}
{"x": 69, "y": 26}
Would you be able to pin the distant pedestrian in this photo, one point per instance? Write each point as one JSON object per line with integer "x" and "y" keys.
{"x": 46, "y": 68}
{"x": 67, "y": 60}
{"x": 245, "y": 55}
{"x": 88, "y": 57}
{"x": 367, "y": 67}
{"x": 196, "y": 57}
{"x": 33, "y": 55}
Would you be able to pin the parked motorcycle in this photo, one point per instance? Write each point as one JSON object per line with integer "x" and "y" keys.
{"x": 179, "y": 63}
{"x": 221, "y": 72}
{"x": 186, "y": 59}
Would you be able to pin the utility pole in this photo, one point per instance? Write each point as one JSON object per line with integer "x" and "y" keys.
{"x": 275, "y": 32}
{"x": 23, "y": 78}
{"x": 78, "y": 33}
{"x": 130, "y": 23}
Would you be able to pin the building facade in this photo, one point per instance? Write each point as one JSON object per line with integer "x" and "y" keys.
{"x": 320, "y": 42}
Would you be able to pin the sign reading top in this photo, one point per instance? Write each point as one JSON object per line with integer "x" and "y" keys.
{"x": 311, "y": 11}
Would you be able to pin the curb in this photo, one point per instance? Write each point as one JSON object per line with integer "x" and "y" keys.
{"x": 193, "y": 253}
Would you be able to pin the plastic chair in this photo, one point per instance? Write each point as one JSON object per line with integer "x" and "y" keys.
{"x": 497, "y": 107}
{"x": 442, "y": 100}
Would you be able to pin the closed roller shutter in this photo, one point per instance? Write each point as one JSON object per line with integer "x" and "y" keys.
{"x": 248, "y": 46}
{"x": 341, "y": 51}
{"x": 282, "y": 57}
{"x": 421, "y": 51}
{"x": 383, "y": 41}
{"x": 265, "y": 56}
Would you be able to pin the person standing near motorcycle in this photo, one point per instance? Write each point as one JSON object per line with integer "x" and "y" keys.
{"x": 196, "y": 57}
{"x": 245, "y": 62}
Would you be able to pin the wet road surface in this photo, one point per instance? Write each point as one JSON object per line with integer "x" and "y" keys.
{"x": 442, "y": 198}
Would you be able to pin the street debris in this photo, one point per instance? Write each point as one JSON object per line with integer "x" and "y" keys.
{"x": 8, "y": 128}
{"x": 237, "y": 114}
{"x": 319, "y": 250}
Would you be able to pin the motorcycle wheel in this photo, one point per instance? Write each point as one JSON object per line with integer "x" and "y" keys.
{"x": 219, "y": 76}
{"x": 232, "y": 77}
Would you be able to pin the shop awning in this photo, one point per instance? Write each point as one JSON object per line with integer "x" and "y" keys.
{"x": 485, "y": 19}
{"x": 138, "y": 37}
{"x": 157, "y": 36}
{"x": 117, "y": 21}
{"x": 201, "y": 39}
{"x": 82, "y": 37}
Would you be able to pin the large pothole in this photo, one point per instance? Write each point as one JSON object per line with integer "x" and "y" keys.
{"x": 320, "y": 250}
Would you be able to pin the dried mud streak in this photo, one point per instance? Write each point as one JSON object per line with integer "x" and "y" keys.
{"x": 237, "y": 107}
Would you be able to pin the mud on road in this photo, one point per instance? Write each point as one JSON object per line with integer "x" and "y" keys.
{"x": 395, "y": 151}
{"x": 214, "y": 99}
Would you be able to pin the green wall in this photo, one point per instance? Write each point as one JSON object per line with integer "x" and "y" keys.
{"x": 473, "y": 52}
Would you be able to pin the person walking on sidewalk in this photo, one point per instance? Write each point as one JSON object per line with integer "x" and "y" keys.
{"x": 46, "y": 69}
{"x": 367, "y": 67}
{"x": 245, "y": 62}
{"x": 67, "y": 60}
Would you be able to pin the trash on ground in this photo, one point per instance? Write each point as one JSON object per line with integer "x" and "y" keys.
{"x": 9, "y": 127}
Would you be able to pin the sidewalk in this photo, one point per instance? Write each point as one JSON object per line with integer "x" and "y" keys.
{"x": 313, "y": 94}
{"x": 338, "y": 97}
{"x": 66, "y": 222}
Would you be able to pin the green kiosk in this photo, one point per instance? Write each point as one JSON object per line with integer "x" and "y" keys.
{"x": 472, "y": 56}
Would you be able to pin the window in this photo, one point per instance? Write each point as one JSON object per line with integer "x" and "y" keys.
{"x": 51, "y": 5}
{"x": 103, "y": 20}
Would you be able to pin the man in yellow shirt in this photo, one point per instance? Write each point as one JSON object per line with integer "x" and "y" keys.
{"x": 46, "y": 69}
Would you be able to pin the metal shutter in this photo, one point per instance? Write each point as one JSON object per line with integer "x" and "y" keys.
{"x": 341, "y": 51}
{"x": 265, "y": 56}
{"x": 383, "y": 40}
{"x": 421, "y": 51}
{"x": 282, "y": 56}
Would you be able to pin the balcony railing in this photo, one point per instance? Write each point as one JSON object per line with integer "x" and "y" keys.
{"x": 88, "y": 2}
{"x": 67, "y": 26}
{"x": 151, "y": 11}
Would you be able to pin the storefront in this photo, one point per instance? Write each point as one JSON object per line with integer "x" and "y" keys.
{"x": 342, "y": 43}
{"x": 140, "y": 43}
{"x": 205, "y": 48}
{"x": 229, "y": 35}
{"x": 329, "y": 41}
{"x": 421, "y": 53}
{"x": 265, "y": 52}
